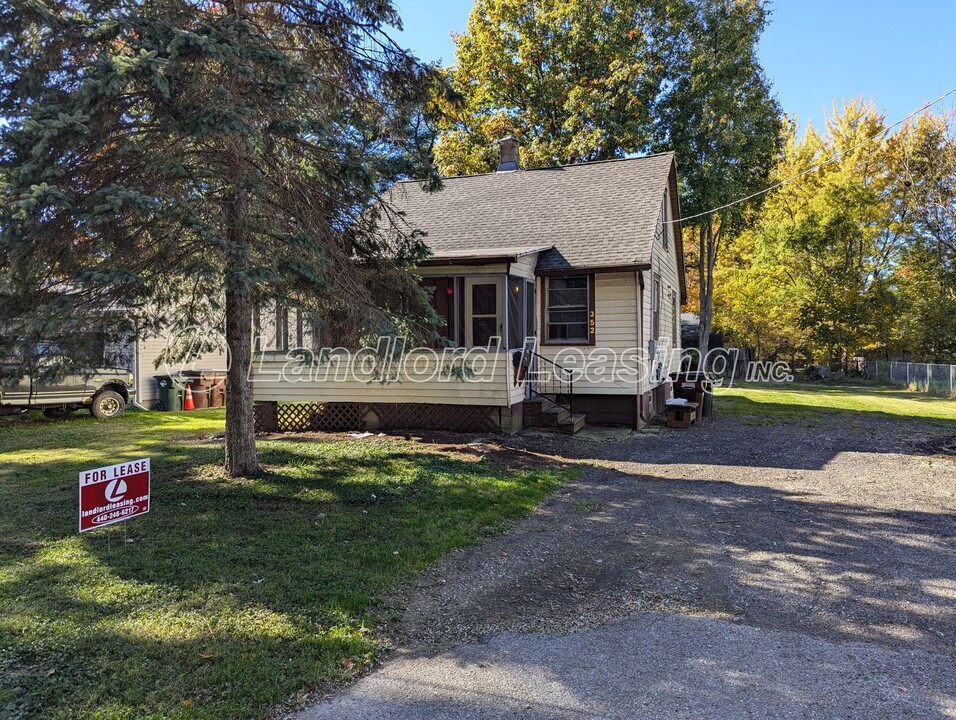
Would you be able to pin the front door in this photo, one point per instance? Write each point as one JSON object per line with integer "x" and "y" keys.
{"x": 484, "y": 317}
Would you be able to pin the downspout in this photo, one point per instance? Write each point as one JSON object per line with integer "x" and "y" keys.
{"x": 639, "y": 293}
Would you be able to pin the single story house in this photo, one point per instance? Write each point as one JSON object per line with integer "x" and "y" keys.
{"x": 576, "y": 271}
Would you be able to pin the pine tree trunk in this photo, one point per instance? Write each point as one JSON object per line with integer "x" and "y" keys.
{"x": 241, "y": 458}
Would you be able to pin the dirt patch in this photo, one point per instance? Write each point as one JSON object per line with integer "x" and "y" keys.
{"x": 512, "y": 455}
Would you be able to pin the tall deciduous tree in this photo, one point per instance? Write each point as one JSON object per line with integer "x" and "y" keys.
{"x": 573, "y": 79}
{"x": 923, "y": 156}
{"x": 837, "y": 249}
{"x": 718, "y": 114}
{"x": 577, "y": 81}
{"x": 178, "y": 161}
{"x": 926, "y": 158}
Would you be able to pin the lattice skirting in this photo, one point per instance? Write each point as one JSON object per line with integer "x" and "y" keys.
{"x": 456, "y": 418}
{"x": 304, "y": 417}
{"x": 340, "y": 417}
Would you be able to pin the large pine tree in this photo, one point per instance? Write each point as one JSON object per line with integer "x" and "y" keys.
{"x": 176, "y": 162}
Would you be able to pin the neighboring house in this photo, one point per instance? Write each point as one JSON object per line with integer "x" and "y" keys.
{"x": 142, "y": 357}
{"x": 585, "y": 258}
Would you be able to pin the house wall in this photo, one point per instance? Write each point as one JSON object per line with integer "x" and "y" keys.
{"x": 148, "y": 350}
{"x": 616, "y": 338}
{"x": 623, "y": 322}
{"x": 663, "y": 264}
{"x": 525, "y": 265}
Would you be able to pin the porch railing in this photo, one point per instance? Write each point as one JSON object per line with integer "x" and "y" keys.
{"x": 545, "y": 378}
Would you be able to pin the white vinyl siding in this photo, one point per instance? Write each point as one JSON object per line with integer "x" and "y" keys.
{"x": 147, "y": 350}
{"x": 663, "y": 264}
{"x": 147, "y": 392}
{"x": 615, "y": 335}
{"x": 423, "y": 380}
{"x": 524, "y": 266}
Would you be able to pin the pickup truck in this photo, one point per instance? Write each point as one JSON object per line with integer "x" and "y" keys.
{"x": 105, "y": 392}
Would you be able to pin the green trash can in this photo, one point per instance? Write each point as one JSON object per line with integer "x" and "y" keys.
{"x": 172, "y": 392}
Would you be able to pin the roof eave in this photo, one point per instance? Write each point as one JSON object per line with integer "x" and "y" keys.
{"x": 482, "y": 259}
{"x": 595, "y": 269}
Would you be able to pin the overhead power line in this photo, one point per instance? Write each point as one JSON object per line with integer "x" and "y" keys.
{"x": 816, "y": 167}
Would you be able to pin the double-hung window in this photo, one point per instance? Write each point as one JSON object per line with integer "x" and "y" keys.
{"x": 568, "y": 309}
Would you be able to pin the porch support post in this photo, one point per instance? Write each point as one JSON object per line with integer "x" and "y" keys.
{"x": 506, "y": 299}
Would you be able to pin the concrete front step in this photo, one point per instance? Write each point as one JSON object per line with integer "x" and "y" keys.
{"x": 571, "y": 424}
{"x": 541, "y": 412}
{"x": 554, "y": 416}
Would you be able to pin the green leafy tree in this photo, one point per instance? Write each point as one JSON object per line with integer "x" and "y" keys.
{"x": 176, "y": 162}
{"x": 578, "y": 81}
{"x": 925, "y": 322}
{"x": 574, "y": 80}
{"x": 827, "y": 245}
{"x": 924, "y": 158}
{"x": 718, "y": 114}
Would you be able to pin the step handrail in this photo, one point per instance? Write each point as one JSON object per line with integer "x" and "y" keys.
{"x": 560, "y": 383}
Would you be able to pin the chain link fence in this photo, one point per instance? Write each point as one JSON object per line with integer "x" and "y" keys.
{"x": 929, "y": 378}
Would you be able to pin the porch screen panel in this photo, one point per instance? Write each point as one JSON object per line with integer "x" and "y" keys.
{"x": 443, "y": 291}
{"x": 484, "y": 313}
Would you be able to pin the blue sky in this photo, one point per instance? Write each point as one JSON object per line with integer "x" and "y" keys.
{"x": 898, "y": 53}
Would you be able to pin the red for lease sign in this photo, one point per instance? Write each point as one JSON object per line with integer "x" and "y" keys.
{"x": 112, "y": 494}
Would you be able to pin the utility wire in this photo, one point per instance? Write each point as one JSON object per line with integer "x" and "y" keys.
{"x": 814, "y": 167}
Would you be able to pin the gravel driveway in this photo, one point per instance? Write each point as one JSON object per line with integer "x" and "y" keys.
{"x": 737, "y": 569}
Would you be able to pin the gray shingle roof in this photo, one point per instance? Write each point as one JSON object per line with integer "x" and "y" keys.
{"x": 601, "y": 214}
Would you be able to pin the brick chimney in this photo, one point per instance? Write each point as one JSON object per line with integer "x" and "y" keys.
{"x": 509, "y": 154}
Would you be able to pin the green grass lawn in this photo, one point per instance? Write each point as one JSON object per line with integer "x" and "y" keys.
{"x": 813, "y": 402}
{"x": 231, "y": 596}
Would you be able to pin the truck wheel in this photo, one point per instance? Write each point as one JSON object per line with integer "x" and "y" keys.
{"x": 58, "y": 413}
{"x": 107, "y": 404}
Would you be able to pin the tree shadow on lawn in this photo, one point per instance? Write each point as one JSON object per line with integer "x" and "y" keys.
{"x": 278, "y": 571}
